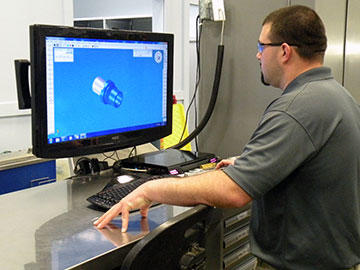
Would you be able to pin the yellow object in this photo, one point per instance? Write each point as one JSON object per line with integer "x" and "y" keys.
{"x": 208, "y": 166}
{"x": 178, "y": 123}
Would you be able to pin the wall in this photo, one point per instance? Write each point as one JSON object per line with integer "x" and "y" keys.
{"x": 352, "y": 49}
{"x": 15, "y": 19}
{"x": 335, "y": 32}
{"x": 111, "y": 8}
{"x": 242, "y": 98}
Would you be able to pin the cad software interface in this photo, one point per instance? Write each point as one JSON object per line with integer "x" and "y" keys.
{"x": 98, "y": 87}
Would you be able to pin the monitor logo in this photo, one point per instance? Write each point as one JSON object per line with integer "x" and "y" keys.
{"x": 115, "y": 138}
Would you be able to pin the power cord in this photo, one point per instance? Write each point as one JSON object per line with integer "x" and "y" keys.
{"x": 197, "y": 82}
{"x": 214, "y": 94}
{"x": 134, "y": 149}
{"x": 111, "y": 156}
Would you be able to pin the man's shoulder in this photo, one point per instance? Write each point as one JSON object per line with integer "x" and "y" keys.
{"x": 311, "y": 97}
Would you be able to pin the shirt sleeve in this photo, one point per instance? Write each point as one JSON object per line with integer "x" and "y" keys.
{"x": 278, "y": 147}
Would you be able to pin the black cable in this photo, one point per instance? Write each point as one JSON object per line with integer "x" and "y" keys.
{"x": 117, "y": 156}
{"x": 111, "y": 156}
{"x": 85, "y": 166}
{"x": 214, "y": 93}
{"x": 198, "y": 75}
{"x": 82, "y": 166}
{"x": 198, "y": 38}
{"x": 215, "y": 90}
{"x": 132, "y": 150}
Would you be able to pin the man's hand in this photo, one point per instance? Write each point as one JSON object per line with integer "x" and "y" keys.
{"x": 135, "y": 200}
{"x": 225, "y": 163}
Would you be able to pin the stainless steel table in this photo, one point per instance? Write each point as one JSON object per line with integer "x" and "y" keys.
{"x": 50, "y": 227}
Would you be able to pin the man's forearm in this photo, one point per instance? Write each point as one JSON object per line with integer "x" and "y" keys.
{"x": 214, "y": 188}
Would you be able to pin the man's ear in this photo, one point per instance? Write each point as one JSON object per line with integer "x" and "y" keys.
{"x": 286, "y": 51}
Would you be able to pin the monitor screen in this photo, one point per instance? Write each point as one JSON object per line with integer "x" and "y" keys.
{"x": 97, "y": 90}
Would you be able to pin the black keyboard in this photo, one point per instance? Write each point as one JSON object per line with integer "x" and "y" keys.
{"x": 112, "y": 194}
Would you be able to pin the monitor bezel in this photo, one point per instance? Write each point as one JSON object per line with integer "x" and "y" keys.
{"x": 101, "y": 144}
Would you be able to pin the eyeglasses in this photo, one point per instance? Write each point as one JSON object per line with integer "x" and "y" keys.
{"x": 261, "y": 45}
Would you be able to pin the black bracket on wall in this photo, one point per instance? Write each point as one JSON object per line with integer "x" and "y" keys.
{"x": 22, "y": 83}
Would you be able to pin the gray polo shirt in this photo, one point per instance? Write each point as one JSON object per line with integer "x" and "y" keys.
{"x": 302, "y": 168}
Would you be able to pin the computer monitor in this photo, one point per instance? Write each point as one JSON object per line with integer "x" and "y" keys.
{"x": 98, "y": 90}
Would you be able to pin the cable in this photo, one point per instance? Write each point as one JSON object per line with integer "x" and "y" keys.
{"x": 198, "y": 76}
{"x": 85, "y": 166}
{"x": 132, "y": 150}
{"x": 82, "y": 166}
{"x": 220, "y": 55}
{"x": 222, "y": 33}
{"x": 193, "y": 99}
{"x": 216, "y": 83}
{"x": 117, "y": 155}
{"x": 111, "y": 156}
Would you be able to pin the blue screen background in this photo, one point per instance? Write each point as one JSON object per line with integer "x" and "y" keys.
{"x": 79, "y": 110}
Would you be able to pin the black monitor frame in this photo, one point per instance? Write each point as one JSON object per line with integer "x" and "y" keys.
{"x": 41, "y": 147}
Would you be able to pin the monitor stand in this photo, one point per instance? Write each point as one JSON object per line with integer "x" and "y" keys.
{"x": 168, "y": 161}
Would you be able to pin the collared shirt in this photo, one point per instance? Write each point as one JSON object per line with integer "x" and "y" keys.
{"x": 302, "y": 168}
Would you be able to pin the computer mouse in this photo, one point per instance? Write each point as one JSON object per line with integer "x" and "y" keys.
{"x": 125, "y": 178}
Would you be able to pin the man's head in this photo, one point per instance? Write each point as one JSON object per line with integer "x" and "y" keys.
{"x": 292, "y": 40}
{"x": 298, "y": 25}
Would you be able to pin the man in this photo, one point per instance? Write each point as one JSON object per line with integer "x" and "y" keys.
{"x": 301, "y": 168}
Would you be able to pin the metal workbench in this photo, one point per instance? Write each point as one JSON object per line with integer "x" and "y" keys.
{"x": 50, "y": 227}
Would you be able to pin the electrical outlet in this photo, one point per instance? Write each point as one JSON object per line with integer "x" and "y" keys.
{"x": 218, "y": 10}
{"x": 212, "y": 10}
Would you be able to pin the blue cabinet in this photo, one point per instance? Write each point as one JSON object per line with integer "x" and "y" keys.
{"x": 27, "y": 175}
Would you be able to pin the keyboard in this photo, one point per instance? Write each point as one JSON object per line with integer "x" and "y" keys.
{"x": 113, "y": 193}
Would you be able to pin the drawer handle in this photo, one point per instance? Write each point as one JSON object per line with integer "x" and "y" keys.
{"x": 41, "y": 181}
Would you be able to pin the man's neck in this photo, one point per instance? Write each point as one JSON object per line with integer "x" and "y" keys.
{"x": 292, "y": 73}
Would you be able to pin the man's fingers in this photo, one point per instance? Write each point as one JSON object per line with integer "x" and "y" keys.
{"x": 100, "y": 219}
{"x": 127, "y": 207}
{"x": 225, "y": 162}
{"x": 220, "y": 165}
{"x": 108, "y": 216}
{"x": 105, "y": 221}
{"x": 131, "y": 202}
{"x": 125, "y": 218}
{"x": 144, "y": 212}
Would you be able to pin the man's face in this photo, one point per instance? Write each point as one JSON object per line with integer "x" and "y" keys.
{"x": 267, "y": 58}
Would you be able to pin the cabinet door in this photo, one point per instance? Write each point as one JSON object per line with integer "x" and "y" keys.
{"x": 27, "y": 176}
{"x": 352, "y": 50}
{"x": 335, "y": 32}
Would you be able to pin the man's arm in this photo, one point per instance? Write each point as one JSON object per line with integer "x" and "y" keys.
{"x": 213, "y": 188}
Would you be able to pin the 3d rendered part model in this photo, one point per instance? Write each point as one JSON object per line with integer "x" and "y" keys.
{"x": 107, "y": 91}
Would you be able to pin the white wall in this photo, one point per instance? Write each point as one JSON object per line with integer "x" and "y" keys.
{"x": 16, "y": 16}
{"x": 112, "y": 8}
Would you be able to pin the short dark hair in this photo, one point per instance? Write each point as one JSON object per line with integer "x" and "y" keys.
{"x": 299, "y": 25}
